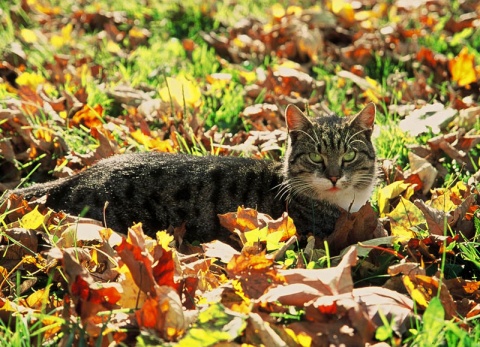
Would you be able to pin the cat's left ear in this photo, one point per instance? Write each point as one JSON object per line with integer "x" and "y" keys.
{"x": 296, "y": 119}
{"x": 365, "y": 118}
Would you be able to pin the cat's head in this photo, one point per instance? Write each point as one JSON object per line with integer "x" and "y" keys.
{"x": 331, "y": 158}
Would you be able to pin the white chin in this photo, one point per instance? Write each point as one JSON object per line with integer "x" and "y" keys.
{"x": 348, "y": 198}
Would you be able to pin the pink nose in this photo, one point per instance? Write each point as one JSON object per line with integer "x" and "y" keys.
{"x": 334, "y": 179}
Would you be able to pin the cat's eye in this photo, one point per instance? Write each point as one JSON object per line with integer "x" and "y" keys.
{"x": 315, "y": 157}
{"x": 349, "y": 156}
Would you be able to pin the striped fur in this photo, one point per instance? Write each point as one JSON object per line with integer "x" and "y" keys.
{"x": 162, "y": 190}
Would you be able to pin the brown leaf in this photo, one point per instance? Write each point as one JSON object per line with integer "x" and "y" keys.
{"x": 335, "y": 280}
{"x": 254, "y": 271}
{"x": 15, "y": 243}
{"x": 218, "y": 249}
{"x": 435, "y": 218}
{"x": 246, "y": 262}
{"x": 424, "y": 170}
{"x": 263, "y": 116}
{"x": 351, "y": 228}
{"x": 397, "y": 307}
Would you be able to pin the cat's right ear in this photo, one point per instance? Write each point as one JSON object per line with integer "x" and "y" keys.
{"x": 366, "y": 117}
{"x": 296, "y": 119}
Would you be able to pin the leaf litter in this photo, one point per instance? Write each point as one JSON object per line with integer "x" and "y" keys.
{"x": 110, "y": 287}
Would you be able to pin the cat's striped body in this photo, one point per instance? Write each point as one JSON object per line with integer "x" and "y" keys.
{"x": 330, "y": 163}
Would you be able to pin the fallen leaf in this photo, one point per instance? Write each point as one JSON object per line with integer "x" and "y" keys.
{"x": 181, "y": 91}
{"x": 164, "y": 313}
{"x": 404, "y": 218}
{"x": 218, "y": 249}
{"x": 88, "y": 116}
{"x": 433, "y": 117}
{"x": 389, "y": 192}
{"x": 462, "y": 68}
{"x": 424, "y": 169}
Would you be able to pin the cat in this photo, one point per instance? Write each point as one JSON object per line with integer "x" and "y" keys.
{"x": 329, "y": 165}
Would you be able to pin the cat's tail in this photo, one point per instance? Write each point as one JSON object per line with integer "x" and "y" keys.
{"x": 36, "y": 190}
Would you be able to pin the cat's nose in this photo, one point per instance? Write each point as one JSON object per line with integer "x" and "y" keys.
{"x": 333, "y": 179}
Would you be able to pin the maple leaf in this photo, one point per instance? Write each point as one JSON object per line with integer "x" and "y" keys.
{"x": 255, "y": 226}
{"x": 164, "y": 313}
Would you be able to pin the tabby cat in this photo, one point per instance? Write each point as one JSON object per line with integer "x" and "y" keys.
{"x": 329, "y": 164}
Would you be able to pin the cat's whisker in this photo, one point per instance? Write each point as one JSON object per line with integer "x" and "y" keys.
{"x": 356, "y": 140}
{"x": 283, "y": 189}
{"x": 348, "y": 139}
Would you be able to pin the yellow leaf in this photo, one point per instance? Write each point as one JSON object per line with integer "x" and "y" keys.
{"x": 389, "y": 192}
{"x": 180, "y": 89}
{"x": 363, "y": 15}
{"x": 273, "y": 240}
{"x": 459, "y": 188}
{"x": 137, "y": 33}
{"x": 164, "y": 239}
{"x": 41, "y": 6}
{"x": 278, "y": 12}
{"x": 32, "y": 220}
{"x": 404, "y": 218}
{"x": 65, "y": 37}
{"x": 374, "y": 92}
{"x": 371, "y": 95}
{"x": 9, "y": 306}
{"x": 415, "y": 292}
{"x": 239, "y": 43}
{"x": 295, "y": 10}
{"x": 44, "y": 133}
{"x": 113, "y": 47}
{"x": 132, "y": 296}
{"x": 443, "y": 203}
{"x": 287, "y": 63}
{"x": 256, "y": 235}
{"x": 249, "y": 76}
{"x": 30, "y": 79}
{"x": 36, "y": 299}
{"x": 344, "y": 10}
{"x": 302, "y": 339}
{"x": 219, "y": 81}
{"x": 29, "y": 36}
{"x": 462, "y": 68}
{"x": 152, "y": 143}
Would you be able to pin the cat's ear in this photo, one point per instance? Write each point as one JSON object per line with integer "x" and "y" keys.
{"x": 365, "y": 118}
{"x": 296, "y": 119}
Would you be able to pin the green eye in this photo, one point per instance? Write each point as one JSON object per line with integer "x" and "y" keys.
{"x": 315, "y": 157}
{"x": 349, "y": 156}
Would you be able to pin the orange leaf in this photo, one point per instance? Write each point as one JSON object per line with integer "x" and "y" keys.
{"x": 164, "y": 270}
{"x": 163, "y": 313}
{"x": 88, "y": 116}
{"x": 147, "y": 315}
{"x": 248, "y": 262}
